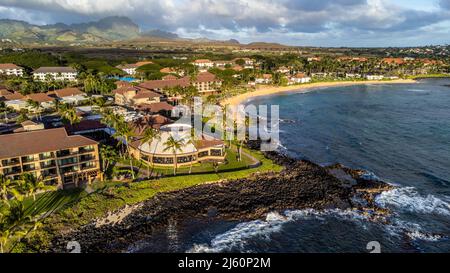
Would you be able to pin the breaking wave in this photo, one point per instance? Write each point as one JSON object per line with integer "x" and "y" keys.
{"x": 408, "y": 199}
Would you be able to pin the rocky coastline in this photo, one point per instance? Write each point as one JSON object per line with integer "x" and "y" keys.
{"x": 302, "y": 184}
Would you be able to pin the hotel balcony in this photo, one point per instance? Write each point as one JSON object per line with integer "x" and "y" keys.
{"x": 45, "y": 157}
{"x": 86, "y": 150}
{"x": 29, "y": 168}
{"x": 48, "y": 164}
{"x": 28, "y": 159}
{"x": 12, "y": 171}
{"x": 85, "y": 158}
{"x": 68, "y": 161}
{"x": 11, "y": 162}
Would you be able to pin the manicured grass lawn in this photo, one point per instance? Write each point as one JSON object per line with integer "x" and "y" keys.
{"x": 231, "y": 165}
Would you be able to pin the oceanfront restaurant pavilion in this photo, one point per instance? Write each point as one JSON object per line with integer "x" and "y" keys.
{"x": 156, "y": 153}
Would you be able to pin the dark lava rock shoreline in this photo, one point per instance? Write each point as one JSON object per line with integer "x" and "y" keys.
{"x": 301, "y": 185}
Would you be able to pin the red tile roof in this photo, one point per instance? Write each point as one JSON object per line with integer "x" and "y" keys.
{"x": 39, "y": 97}
{"x": 14, "y": 96}
{"x": 205, "y": 77}
{"x": 156, "y": 107}
{"x": 143, "y": 94}
{"x": 4, "y": 92}
{"x": 9, "y": 66}
{"x": 153, "y": 121}
{"x": 67, "y": 92}
{"x": 161, "y": 84}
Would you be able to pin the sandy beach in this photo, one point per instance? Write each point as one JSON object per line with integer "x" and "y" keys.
{"x": 264, "y": 91}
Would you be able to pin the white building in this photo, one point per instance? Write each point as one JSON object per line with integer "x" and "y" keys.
{"x": 10, "y": 69}
{"x": 131, "y": 69}
{"x": 70, "y": 96}
{"x": 299, "y": 78}
{"x": 55, "y": 73}
{"x": 374, "y": 77}
{"x": 203, "y": 64}
{"x": 265, "y": 79}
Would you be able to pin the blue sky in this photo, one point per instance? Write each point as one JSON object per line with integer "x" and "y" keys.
{"x": 295, "y": 22}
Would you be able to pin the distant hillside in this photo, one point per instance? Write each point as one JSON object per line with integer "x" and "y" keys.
{"x": 104, "y": 30}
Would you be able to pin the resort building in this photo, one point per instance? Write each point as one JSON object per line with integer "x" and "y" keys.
{"x": 205, "y": 82}
{"x": 203, "y": 64}
{"x": 14, "y": 100}
{"x": 264, "y": 79}
{"x": 61, "y": 160}
{"x": 72, "y": 96}
{"x": 11, "y": 70}
{"x": 131, "y": 69}
{"x": 223, "y": 63}
{"x": 136, "y": 96}
{"x": 374, "y": 77}
{"x": 55, "y": 73}
{"x": 29, "y": 125}
{"x": 298, "y": 78}
{"x": 43, "y": 99}
{"x": 248, "y": 63}
{"x": 283, "y": 70}
{"x": 155, "y": 152}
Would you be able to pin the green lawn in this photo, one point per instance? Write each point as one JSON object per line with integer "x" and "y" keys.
{"x": 232, "y": 165}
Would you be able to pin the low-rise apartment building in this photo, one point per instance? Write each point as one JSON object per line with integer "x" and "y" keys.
{"x": 55, "y": 73}
{"x": 59, "y": 159}
{"x": 10, "y": 69}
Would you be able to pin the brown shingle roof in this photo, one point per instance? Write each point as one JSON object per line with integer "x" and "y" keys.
{"x": 67, "y": 92}
{"x": 36, "y": 142}
{"x": 4, "y": 92}
{"x": 205, "y": 143}
{"x": 85, "y": 125}
{"x": 206, "y": 77}
{"x": 156, "y": 107}
{"x": 39, "y": 97}
{"x": 153, "y": 121}
{"x": 14, "y": 96}
{"x": 160, "y": 84}
{"x": 143, "y": 94}
{"x": 61, "y": 69}
{"x": 120, "y": 84}
{"x": 125, "y": 89}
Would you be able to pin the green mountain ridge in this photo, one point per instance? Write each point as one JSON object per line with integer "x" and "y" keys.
{"x": 104, "y": 30}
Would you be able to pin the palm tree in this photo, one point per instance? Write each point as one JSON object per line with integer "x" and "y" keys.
{"x": 70, "y": 114}
{"x": 174, "y": 145}
{"x": 108, "y": 154}
{"x": 36, "y": 106}
{"x": 6, "y": 187}
{"x": 32, "y": 184}
{"x": 125, "y": 133}
{"x": 149, "y": 136}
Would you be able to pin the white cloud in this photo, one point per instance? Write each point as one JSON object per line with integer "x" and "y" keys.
{"x": 243, "y": 19}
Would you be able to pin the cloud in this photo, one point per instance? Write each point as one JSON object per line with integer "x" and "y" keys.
{"x": 445, "y": 4}
{"x": 246, "y": 19}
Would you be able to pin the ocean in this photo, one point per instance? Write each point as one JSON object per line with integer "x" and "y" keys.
{"x": 397, "y": 133}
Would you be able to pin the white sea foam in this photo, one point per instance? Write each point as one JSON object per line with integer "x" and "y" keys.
{"x": 413, "y": 230}
{"x": 408, "y": 199}
{"x": 237, "y": 236}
